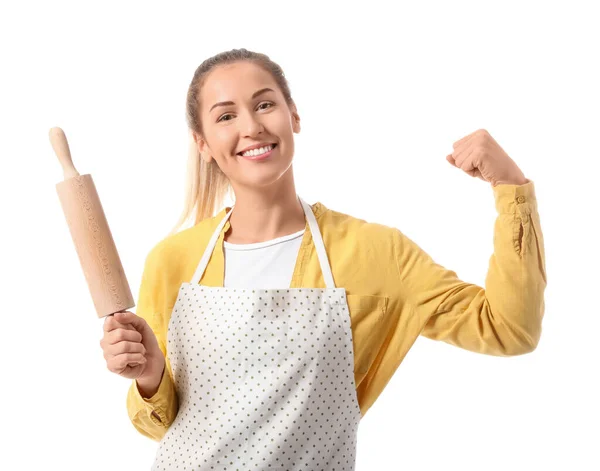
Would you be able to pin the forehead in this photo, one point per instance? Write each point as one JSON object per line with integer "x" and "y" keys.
{"x": 234, "y": 82}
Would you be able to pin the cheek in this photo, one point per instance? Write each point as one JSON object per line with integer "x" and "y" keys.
{"x": 224, "y": 141}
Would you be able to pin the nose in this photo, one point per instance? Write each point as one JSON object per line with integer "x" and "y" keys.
{"x": 250, "y": 124}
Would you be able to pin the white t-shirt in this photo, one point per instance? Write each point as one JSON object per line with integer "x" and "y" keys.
{"x": 263, "y": 265}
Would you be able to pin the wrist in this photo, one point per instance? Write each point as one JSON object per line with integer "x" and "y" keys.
{"x": 149, "y": 382}
{"x": 512, "y": 181}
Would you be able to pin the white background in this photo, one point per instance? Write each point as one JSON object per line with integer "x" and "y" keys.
{"x": 383, "y": 90}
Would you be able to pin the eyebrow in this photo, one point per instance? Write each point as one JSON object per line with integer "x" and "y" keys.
{"x": 227, "y": 103}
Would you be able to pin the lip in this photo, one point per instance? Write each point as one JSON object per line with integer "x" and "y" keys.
{"x": 257, "y": 146}
{"x": 264, "y": 156}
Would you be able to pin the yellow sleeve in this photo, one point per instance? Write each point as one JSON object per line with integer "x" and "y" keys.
{"x": 505, "y": 317}
{"x": 153, "y": 416}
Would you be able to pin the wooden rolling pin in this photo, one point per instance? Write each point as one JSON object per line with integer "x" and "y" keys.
{"x": 91, "y": 235}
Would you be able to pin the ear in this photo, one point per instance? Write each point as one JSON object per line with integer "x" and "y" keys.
{"x": 295, "y": 118}
{"x": 202, "y": 148}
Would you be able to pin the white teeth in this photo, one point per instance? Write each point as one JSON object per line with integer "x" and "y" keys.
{"x": 254, "y": 152}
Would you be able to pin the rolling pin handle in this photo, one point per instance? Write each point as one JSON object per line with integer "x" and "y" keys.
{"x": 61, "y": 149}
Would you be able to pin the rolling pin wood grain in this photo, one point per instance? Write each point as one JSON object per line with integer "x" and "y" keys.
{"x": 91, "y": 235}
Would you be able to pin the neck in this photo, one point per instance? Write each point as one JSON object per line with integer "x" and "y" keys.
{"x": 266, "y": 213}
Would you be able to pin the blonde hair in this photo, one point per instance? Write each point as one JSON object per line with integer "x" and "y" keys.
{"x": 206, "y": 185}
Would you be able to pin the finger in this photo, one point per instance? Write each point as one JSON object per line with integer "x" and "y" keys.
{"x": 118, "y": 363}
{"x": 129, "y": 358}
{"x": 450, "y": 159}
{"x": 129, "y": 318}
{"x": 111, "y": 323}
{"x": 468, "y": 165}
{"x": 123, "y": 335}
{"x": 462, "y": 154}
{"x": 124, "y": 347}
{"x": 477, "y": 173}
{"x": 462, "y": 141}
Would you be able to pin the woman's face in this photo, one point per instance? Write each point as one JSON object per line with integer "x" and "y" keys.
{"x": 250, "y": 118}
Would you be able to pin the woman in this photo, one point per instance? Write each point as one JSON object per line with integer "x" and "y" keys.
{"x": 263, "y": 334}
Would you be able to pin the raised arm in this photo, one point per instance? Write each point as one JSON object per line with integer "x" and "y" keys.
{"x": 505, "y": 317}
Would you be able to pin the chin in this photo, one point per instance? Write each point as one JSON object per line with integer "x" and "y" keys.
{"x": 263, "y": 176}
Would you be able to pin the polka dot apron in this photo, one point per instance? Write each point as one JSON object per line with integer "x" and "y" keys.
{"x": 265, "y": 377}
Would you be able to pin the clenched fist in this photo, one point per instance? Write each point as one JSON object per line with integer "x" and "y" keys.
{"x": 479, "y": 155}
{"x": 130, "y": 347}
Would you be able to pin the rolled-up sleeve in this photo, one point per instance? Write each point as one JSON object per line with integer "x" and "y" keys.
{"x": 153, "y": 416}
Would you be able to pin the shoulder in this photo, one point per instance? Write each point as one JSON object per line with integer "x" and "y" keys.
{"x": 334, "y": 221}
{"x": 174, "y": 250}
{"x": 343, "y": 227}
{"x": 362, "y": 253}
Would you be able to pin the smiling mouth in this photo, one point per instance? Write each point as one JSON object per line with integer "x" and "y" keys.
{"x": 272, "y": 145}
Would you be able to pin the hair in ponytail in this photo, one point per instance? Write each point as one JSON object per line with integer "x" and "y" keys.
{"x": 206, "y": 185}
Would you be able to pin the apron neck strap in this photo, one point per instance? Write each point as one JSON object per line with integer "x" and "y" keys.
{"x": 314, "y": 230}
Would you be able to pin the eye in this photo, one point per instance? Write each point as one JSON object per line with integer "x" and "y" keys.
{"x": 221, "y": 118}
{"x": 229, "y": 114}
{"x": 266, "y": 103}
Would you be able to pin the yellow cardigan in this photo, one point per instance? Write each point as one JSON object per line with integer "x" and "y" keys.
{"x": 395, "y": 293}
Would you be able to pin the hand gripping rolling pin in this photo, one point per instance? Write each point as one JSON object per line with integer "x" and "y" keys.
{"x": 91, "y": 235}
